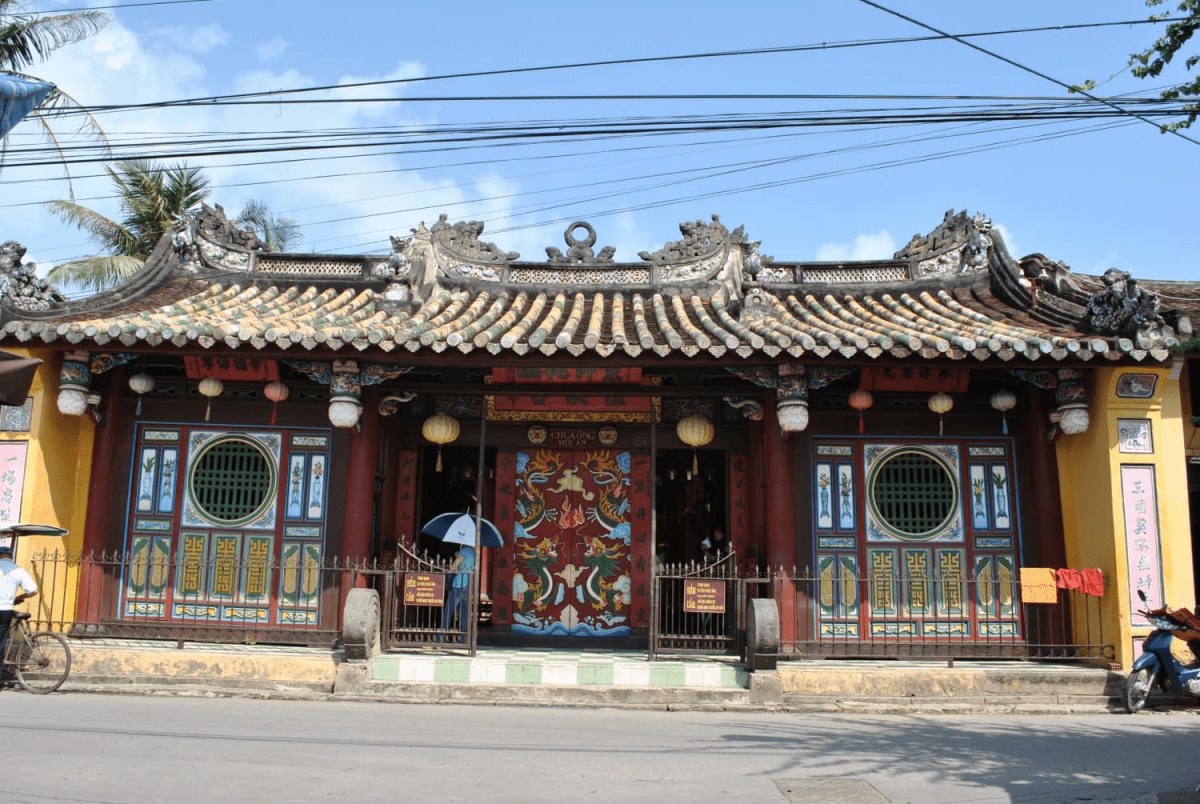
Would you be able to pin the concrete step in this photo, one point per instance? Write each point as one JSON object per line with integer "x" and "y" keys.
{"x": 562, "y": 669}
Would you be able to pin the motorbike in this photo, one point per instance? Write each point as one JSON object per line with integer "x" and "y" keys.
{"x": 1158, "y": 666}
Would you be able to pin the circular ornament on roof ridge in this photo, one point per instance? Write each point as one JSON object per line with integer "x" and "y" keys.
{"x": 569, "y": 235}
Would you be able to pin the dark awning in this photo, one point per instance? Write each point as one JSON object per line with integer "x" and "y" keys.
{"x": 16, "y": 375}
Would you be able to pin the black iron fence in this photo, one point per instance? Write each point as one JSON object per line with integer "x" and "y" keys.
{"x": 933, "y": 617}
{"x": 699, "y": 608}
{"x": 421, "y": 606}
{"x": 696, "y": 608}
{"x": 238, "y": 598}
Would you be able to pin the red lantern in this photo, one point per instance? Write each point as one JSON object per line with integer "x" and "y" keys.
{"x": 276, "y": 392}
{"x": 860, "y": 400}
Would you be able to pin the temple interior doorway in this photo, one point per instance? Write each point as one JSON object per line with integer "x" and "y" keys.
{"x": 454, "y": 488}
{"x": 690, "y": 506}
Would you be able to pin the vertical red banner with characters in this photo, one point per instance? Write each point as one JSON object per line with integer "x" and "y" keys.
{"x": 739, "y": 509}
{"x": 502, "y": 557}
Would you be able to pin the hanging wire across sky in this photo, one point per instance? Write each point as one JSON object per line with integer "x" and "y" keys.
{"x": 972, "y": 115}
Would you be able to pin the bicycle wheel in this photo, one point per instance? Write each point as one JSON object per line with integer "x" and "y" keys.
{"x": 42, "y": 663}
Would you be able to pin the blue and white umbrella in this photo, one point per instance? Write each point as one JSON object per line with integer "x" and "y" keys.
{"x": 457, "y": 528}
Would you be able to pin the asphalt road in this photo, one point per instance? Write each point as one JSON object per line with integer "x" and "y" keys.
{"x": 63, "y": 749}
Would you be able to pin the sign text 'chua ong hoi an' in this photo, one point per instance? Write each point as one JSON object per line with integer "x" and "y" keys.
{"x": 897, "y": 453}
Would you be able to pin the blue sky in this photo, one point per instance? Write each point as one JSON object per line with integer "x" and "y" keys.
{"x": 1093, "y": 194}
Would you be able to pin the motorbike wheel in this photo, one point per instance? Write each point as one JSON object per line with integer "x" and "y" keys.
{"x": 1137, "y": 689}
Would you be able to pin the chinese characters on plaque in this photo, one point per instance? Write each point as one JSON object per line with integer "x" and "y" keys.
{"x": 1140, "y": 503}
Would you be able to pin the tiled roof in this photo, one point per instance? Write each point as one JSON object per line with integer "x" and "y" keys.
{"x": 730, "y": 301}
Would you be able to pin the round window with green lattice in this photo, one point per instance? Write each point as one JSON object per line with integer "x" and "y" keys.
{"x": 913, "y": 494}
{"x": 232, "y": 481}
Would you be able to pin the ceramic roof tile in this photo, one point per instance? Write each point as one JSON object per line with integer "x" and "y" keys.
{"x": 711, "y": 306}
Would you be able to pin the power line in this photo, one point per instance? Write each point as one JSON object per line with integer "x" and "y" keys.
{"x": 629, "y": 61}
{"x": 122, "y": 5}
{"x": 563, "y": 131}
{"x": 1020, "y": 66}
{"x": 636, "y": 97}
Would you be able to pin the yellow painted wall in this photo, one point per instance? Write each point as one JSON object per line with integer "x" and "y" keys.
{"x": 1089, "y": 467}
{"x": 57, "y": 475}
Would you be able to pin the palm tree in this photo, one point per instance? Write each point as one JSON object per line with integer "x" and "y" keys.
{"x": 153, "y": 199}
{"x": 277, "y": 233}
{"x": 27, "y": 38}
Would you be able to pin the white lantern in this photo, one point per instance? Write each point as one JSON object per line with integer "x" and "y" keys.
{"x": 344, "y": 411}
{"x": 1074, "y": 419}
{"x": 210, "y": 387}
{"x": 1004, "y": 400}
{"x": 792, "y": 415}
{"x": 72, "y": 401}
{"x": 141, "y": 383}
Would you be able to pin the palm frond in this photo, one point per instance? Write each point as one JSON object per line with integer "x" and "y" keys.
{"x": 26, "y": 39}
{"x": 112, "y": 236}
{"x": 59, "y": 104}
{"x": 94, "y": 273}
{"x": 276, "y": 232}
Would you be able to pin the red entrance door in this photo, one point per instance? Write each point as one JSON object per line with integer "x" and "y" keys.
{"x": 572, "y": 539}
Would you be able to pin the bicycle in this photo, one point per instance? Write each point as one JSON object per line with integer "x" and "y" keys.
{"x": 40, "y": 660}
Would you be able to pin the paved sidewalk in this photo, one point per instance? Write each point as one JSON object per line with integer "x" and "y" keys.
{"x": 597, "y": 678}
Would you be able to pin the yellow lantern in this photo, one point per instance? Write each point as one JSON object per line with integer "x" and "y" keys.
{"x": 940, "y": 403}
{"x": 440, "y": 429}
{"x": 210, "y": 387}
{"x": 695, "y": 431}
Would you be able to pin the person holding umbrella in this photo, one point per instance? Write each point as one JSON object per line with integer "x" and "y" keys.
{"x": 460, "y": 529}
{"x": 459, "y": 598}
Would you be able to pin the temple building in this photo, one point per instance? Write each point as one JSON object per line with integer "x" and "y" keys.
{"x": 909, "y": 435}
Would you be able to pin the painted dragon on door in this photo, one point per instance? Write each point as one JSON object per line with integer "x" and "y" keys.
{"x": 572, "y": 539}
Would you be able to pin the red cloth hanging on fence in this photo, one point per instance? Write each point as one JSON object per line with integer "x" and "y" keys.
{"x": 1068, "y": 579}
{"x": 1092, "y": 582}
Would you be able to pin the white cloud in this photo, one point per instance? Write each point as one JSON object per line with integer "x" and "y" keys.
{"x": 1010, "y": 242}
{"x": 868, "y": 246}
{"x": 271, "y": 50}
{"x": 353, "y": 207}
{"x": 199, "y": 39}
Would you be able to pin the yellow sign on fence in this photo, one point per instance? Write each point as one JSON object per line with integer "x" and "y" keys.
{"x": 1038, "y": 585}
{"x": 424, "y": 589}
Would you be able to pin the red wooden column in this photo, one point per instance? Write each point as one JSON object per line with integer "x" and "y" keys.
{"x": 756, "y": 552}
{"x": 1050, "y": 544}
{"x": 99, "y": 508}
{"x": 780, "y": 515}
{"x": 360, "y": 488}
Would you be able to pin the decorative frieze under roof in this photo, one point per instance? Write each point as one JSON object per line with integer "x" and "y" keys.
{"x": 954, "y": 294}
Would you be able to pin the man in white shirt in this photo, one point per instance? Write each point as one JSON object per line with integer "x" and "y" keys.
{"x": 16, "y": 586}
